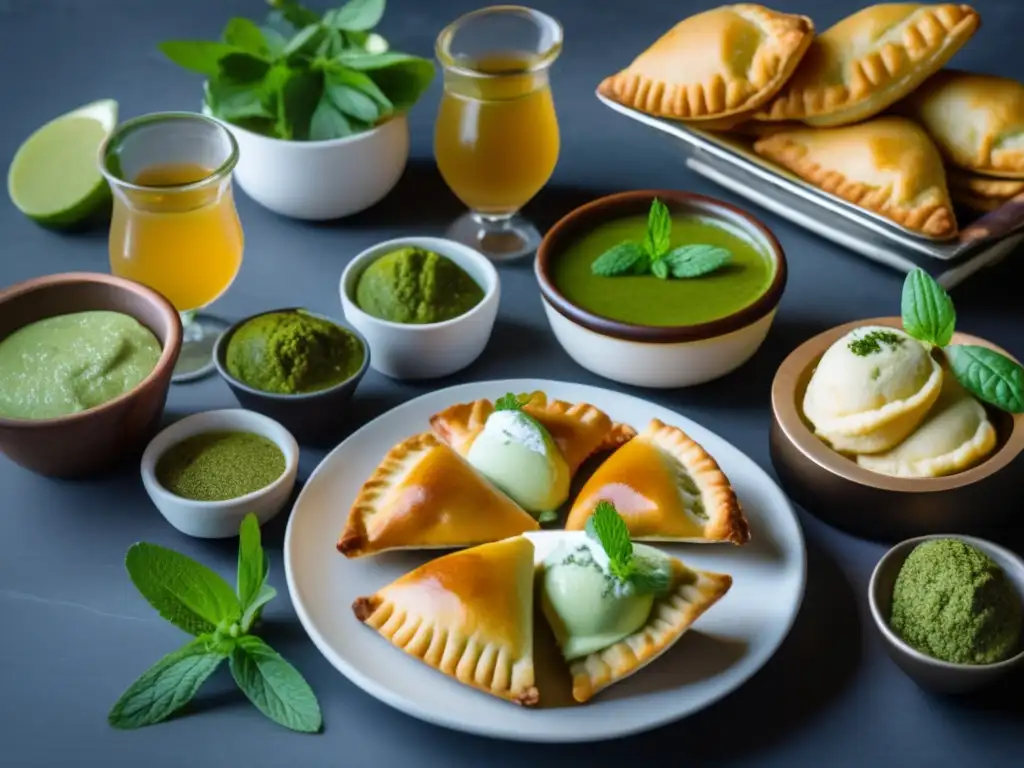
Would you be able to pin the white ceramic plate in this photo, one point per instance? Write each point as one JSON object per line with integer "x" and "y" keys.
{"x": 724, "y": 648}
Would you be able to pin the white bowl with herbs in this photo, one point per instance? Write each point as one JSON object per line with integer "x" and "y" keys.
{"x": 317, "y": 104}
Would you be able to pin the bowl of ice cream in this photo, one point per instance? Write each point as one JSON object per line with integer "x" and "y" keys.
{"x": 426, "y": 305}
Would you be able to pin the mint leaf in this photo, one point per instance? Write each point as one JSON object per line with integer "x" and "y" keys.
{"x": 299, "y": 95}
{"x": 304, "y": 40}
{"x": 403, "y": 78}
{"x": 610, "y": 530}
{"x": 186, "y": 593}
{"x": 988, "y": 375}
{"x": 274, "y": 686}
{"x": 356, "y": 15}
{"x": 292, "y": 13}
{"x": 351, "y": 101}
{"x": 328, "y": 122}
{"x": 660, "y": 269}
{"x": 509, "y": 402}
{"x": 166, "y": 686}
{"x": 623, "y": 259}
{"x": 245, "y": 34}
{"x": 688, "y": 261}
{"x": 255, "y": 608}
{"x": 243, "y": 68}
{"x": 927, "y": 309}
{"x": 236, "y": 101}
{"x": 362, "y": 82}
{"x": 651, "y": 581}
{"x": 198, "y": 56}
{"x": 252, "y": 562}
{"x": 275, "y": 41}
{"x": 659, "y": 230}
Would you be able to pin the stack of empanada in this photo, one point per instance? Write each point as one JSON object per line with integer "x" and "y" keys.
{"x": 861, "y": 111}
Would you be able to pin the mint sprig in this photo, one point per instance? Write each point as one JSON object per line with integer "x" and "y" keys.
{"x": 654, "y": 256}
{"x": 608, "y": 528}
{"x": 198, "y": 601}
{"x": 929, "y": 316}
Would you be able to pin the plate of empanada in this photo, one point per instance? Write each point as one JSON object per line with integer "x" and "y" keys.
{"x": 543, "y": 561}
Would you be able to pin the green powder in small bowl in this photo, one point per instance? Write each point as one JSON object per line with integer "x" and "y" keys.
{"x": 216, "y": 466}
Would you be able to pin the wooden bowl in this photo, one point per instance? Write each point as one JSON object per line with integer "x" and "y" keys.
{"x": 92, "y": 441}
{"x": 836, "y": 489}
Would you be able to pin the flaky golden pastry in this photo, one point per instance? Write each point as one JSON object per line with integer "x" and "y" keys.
{"x": 578, "y": 429}
{"x": 887, "y": 165}
{"x": 667, "y": 488}
{"x": 981, "y": 193}
{"x": 717, "y": 65}
{"x": 425, "y": 496}
{"x": 468, "y": 614}
{"x": 870, "y": 60}
{"x": 692, "y": 593}
{"x": 977, "y": 121}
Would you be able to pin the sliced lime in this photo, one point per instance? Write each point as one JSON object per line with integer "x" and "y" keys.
{"x": 54, "y": 178}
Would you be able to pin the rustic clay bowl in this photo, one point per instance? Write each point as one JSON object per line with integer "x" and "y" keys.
{"x": 839, "y": 491}
{"x": 95, "y": 440}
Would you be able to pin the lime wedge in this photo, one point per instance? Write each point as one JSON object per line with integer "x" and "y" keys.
{"x": 54, "y": 178}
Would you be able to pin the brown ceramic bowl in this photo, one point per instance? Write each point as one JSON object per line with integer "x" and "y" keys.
{"x": 95, "y": 440}
{"x": 658, "y": 356}
{"x": 839, "y": 491}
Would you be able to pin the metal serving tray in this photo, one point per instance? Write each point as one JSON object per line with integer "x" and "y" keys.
{"x": 731, "y": 162}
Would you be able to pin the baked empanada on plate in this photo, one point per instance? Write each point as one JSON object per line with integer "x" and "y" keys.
{"x": 578, "y": 429}
{"x": 870, "y": 60}
{"x": 468, "y": 614}
{"x": 667, "y": 488}
{"x": 714, "y": 67}
{"x": 887, "y": 165}
{"x": 977, "y": 121}
{"x": 981, "y": 193}
{"x": 425, "y": 496}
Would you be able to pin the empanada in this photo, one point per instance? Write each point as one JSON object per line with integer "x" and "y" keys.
{"x": 714, "y": 67}
{"x": 468, "y": 614}
{"x": 977, "y": 121}
{"x": 870, "y": 60}
{"x": 425, "y": 496}
{"x": 667, "y": 488}
{"x": 981, "y": 193}
{"x": 887, "y": 165}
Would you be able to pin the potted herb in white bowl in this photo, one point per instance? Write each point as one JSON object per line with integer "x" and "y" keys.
{"x": 316, "y": 103}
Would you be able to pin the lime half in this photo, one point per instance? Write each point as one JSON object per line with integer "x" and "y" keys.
{"x": 54, "y": 178}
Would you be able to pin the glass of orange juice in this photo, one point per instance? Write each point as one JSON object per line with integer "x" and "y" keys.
{"x": 174, "y": 225}
{"x": 496, "y": 138}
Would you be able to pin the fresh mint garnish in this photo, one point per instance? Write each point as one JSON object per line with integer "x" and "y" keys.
{"x": 608, "y": 528}
{"x": 511, "y": 402}
{"x": 927, "y": 309}
{"x": 653, "y": 256}
{"x": 198, "y": 601}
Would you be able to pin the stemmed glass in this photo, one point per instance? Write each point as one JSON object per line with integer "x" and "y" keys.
{"x": 496, "y": 139}
{"x": 174, "y": 225}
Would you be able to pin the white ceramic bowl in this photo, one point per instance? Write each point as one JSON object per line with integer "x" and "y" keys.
{"x": 649, "y": 356}
{"x": 220, "y": 519}
{"x": 322, "y": 180}
{"x": 405, "y": 351}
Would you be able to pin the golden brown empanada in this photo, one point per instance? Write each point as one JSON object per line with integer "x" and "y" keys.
{"x": 977, "y": 121}
{"x": 425, "y": 496}
{"x": 578, "y": 429}
{"x": 981, "y": 193}
{"x": 887, "y": 165}
{"x": 468, "y": 614}
{"x": 714, "y": 67}
{"x": 667, "y": 488}
{"x": 870, "y": 60}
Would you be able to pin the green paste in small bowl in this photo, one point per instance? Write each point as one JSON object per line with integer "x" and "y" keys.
{"x": 217, "y": 466}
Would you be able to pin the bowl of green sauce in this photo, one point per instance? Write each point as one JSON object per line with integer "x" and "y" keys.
{"x": 209, "y": 470}
{"x": 295, "y": 366}
{"x": 951, "y": 610}
{"x": 85, "y": 365}
{"x": 658, "y": 288}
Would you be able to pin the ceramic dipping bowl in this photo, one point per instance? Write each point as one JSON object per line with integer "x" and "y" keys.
{"x": 658, "y": 356}
{"x": 928, "y": 672}
{"x": 868, "y": 504}
{"x": 309, "y": 415}
{"x": 96, "y": 440}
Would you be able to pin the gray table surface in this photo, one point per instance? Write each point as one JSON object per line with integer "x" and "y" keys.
{"x": 74, "y": 631}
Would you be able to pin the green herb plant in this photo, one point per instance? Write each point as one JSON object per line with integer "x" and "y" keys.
{"x": 197, "y": 600}
{"x": 512, "y": 402}
{"x": 301, "y": 76}
{"x": 929, "y": 316}
{"x": 655, "y": 256}
{"x": 608, "y": 528}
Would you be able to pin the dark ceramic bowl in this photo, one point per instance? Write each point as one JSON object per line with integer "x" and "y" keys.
{"x": 866, "y": 503}
{"x": 308, "y": 416}
{"x": 96, "y": 440}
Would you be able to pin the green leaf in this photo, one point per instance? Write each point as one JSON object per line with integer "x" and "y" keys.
{"x": 403, "y": 80}
{"x": 361, "y": 82}
{"x": 696, "y": 260}
{"x": 198, "y": 56}
{"x": 366, "y": 61}
{"x": 304, "y": 40}
{"x": 990, "y": 376}
{"x": 166, "y": 686}
{"x": 623, "y": 259}
{"x": 659, "y": 230}
{"x": 276, "y": 41}
{"x": 356, "y": 15}
{"x": 236, "y": 101}
{"x": 298, "y": 98}
{"x": 349, "y": 100}
{"x": 660, "y": 269}
{"x": 327, "y": 122}
{"x": 653, "y": 581}
{"x": 610, "y": 530}
{"x": 274, "y": 686}
{"x": 251, "y": 561}
{"x": 186, "y": 593}
{"x": 255, "y": 608}
{"x": 242, "y": 68}
{"x": 293, "y": 13}
{"x": 245, "y": 34}
{"x": 928, "y": 313}
{"x": 511, "y": 402}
